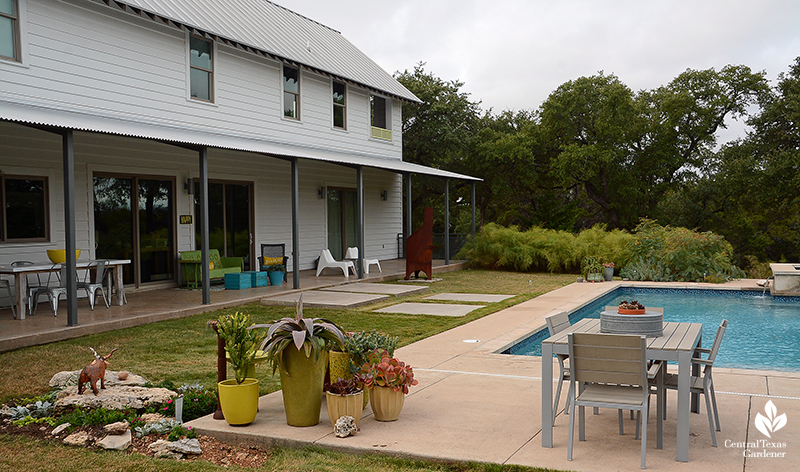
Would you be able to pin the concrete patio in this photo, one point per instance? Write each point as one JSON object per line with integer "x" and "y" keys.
{"x": 474, "y": 404}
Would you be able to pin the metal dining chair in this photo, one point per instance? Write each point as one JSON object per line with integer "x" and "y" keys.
{"x": 703, "y": 383}
{"x": 53, "y": 292}
{"x": 92, "y": 285}
{"x": 34, "y": 290}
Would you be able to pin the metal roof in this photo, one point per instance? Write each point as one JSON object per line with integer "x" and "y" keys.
{"x": 274, "y": 30}
{"x": 49, "y": 117}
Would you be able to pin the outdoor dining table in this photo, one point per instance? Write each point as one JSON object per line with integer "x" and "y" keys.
{"x": 677, "y": 344}
{"x": 21, "y": 278}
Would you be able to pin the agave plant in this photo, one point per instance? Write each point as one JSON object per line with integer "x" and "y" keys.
{"x": 313, "y": 335}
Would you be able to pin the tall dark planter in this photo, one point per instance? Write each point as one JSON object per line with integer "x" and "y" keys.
{"x": 301, "y": 383}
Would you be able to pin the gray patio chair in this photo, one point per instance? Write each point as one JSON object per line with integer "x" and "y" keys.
{"x": 6, "y": 285}
{"x": 556, "y": 324}
{"x": 35, "y": 289}
{"x": 608, "y": 371}
{"x": 704, "y": 384}
{"x": 273, "y": 251}
{"x": 92, "y": 285}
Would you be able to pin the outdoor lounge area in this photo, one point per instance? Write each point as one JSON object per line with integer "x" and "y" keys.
{"x": 474, "y": 404}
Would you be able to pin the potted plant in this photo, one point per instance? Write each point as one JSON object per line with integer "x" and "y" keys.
{"x": 275, "y": 274}
{"x": 238, "y": 397}
{"x": 299, "y": 348}
{"x": 388, "y": 382}
{"x": 344, "y": 397}
{"x": 358, "y": 346}
{"x": 591, "y": 269}
{"x": 608, "y": 271}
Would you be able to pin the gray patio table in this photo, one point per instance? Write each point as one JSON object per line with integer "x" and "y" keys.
{"x": 677, "y": 344}
{"x": 21, "y": 278}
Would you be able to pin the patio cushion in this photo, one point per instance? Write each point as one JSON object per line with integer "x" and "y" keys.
{"x": 218, "y": 266}
{"x": 270, "y": 261}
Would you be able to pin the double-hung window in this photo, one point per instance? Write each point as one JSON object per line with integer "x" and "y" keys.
{"x": 339, "y": 105}
{"x": 23, "y": 205}
{"x": 9, "y": 30}
{"x": 201, "y": 69}
{"x": 380, "y": 114}
{"x": 291, "y": 92}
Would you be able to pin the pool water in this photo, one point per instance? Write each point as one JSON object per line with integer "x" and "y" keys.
{"x": 763, "y": 331}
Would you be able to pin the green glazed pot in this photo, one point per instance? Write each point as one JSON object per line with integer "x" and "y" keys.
{"x": 301, "y": 384}
{"x": 339, "y": 365}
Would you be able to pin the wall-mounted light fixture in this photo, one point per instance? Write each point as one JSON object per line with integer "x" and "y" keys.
{"x": 384, "y": 195}
{"x": 189, "y": 186}
{"x": 321, "y": 193}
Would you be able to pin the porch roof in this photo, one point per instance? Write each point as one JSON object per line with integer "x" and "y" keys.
{"x": 50, "y": 117}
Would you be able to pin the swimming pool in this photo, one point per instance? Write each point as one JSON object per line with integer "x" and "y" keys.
{"x": 763, "y": 331}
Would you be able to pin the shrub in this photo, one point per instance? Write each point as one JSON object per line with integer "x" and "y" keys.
{"x": 664, "y": 253}
{"x": 197, "y": 402}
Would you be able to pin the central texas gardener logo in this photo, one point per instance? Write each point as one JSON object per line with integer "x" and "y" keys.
{"x": 770, "y": 423}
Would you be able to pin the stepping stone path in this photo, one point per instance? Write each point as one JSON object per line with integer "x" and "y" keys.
{"x": 437, "y": 309}
{"x": 470, "y": 297}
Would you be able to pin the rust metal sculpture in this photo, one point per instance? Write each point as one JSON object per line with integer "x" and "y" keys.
{"x": 94, "y": 372}
{"x": 419, "y": 248}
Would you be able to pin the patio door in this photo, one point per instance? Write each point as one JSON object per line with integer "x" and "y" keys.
{"x": 342, "y": 221}
{"x": 134, "y": 219}
{"x": 230, "y": 211}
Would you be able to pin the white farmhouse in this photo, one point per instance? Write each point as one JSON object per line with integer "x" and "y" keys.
{"x": 127, "y": 126}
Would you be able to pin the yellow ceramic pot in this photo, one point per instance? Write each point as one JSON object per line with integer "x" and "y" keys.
{"x": 239, "y": 402}
{"x": 59, "y": 256}
{"x": 339, "y": 365}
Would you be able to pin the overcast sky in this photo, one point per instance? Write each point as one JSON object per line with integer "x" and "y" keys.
{"x": 511, "y": 54}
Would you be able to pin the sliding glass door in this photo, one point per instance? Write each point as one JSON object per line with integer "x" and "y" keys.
{"x": 134, "y": 219}
{"x": 229, "y": 219}
{"x": 342, "y": 222}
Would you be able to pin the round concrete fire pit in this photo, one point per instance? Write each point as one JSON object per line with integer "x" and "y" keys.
{"x": 650, "y": 324}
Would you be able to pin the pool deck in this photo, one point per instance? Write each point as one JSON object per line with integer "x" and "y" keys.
{"x": 473, "y": 404}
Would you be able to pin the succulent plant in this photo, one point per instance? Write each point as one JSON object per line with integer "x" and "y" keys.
{"x": 386, "y": 371}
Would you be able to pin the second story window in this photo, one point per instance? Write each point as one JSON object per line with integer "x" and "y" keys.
{"x": 9, "y": 30}
{"x": 380, "y": 113}
{"x": 339, "y": 105}
{"x": 201, "y": 69}
{"x": 291, "y": 92}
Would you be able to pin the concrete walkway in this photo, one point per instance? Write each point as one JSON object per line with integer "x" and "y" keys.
{"x": 473, "y": 404}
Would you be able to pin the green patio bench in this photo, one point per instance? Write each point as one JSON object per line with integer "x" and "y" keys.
{"x": 192, "y": 271}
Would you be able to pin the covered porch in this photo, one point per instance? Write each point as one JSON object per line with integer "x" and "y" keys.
{"x": 148, "y": 306}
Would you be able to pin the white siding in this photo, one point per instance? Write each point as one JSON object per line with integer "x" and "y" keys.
{"x": 88, "y": 57}
{"x": 24, "y": 150}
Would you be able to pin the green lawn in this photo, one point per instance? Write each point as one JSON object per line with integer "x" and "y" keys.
{"x": 184, "y": 351}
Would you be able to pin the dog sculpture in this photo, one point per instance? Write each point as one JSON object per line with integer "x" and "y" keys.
{"x": 94, "y": 371}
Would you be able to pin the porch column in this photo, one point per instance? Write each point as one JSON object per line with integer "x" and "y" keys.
{"x": 360, "y": 220}
{"x": 409, "y": 227}
{"x": 295, "y": 224}
{"x": 204, "y": 257}
{"x": 67, "y": 143}
{"x": 446, "y": 221}
{"x": 473, "y": 209}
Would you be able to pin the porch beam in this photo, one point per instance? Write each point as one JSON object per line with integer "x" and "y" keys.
{"x": 68, "y": 150}
{"x": 446, "y": 221}
{"x": 360, "y": 221}
{"x": 295, "y": 224}
{"x": 204, "y": 256}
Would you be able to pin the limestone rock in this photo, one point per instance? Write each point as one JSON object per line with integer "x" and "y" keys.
{"x": 112, "y": 398}
{"x": 120, "y": 427}
{"x": 116, "y": 442}
{"x": 152, "y": 417}
{"x": 345, "y": 426}
{"x": 185, "y": 446}
{"x": 70, "y": 379}
{"x": 161, "y": 450}
{"x": 60, "y": 428}
{"x": 77, "y": 439}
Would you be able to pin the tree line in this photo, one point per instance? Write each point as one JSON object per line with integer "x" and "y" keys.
{"x": 596, "y": 152}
